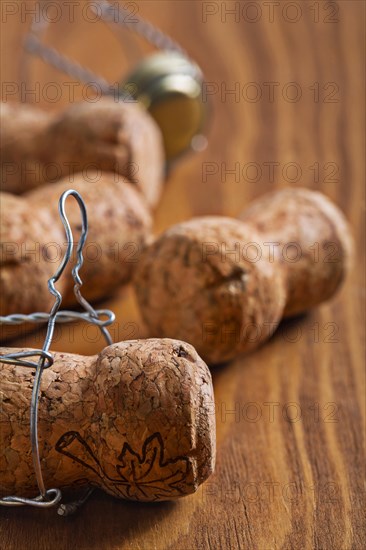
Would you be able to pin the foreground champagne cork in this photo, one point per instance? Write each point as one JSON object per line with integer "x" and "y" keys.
{"x": 224, "y": 285}
{"x": 106, "y": 135}
{"x": 136, "y": 421}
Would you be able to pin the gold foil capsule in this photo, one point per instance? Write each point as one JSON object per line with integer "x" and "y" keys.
{"x": 169, "y": 85}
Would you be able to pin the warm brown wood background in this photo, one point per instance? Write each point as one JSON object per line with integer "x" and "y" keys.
{"x": 290, "y": 463}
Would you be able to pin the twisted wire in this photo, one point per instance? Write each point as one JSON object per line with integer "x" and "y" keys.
{"x": 50, "y": 497}
{"x": 142, "y": 27}
{"x": 63, "y": 63}
{"x": 63, "y": 316}
{"x": 110, "y": 14}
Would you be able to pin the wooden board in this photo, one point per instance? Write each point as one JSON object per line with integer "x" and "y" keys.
{"x": 290, "y": 417}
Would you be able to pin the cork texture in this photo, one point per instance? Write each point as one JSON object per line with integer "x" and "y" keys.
{"x": 106, "y": 135}
{"x": 21, "y": 129}
{"x": 25, "y": 262}
{"x": 313, "y": 243}
{"x": 223, "y": 284}
{"x": 119, "y": 222}
{"x": 201, "y": 283}
{"x": 33, "y": 242}
{"x": 136, "y": 421}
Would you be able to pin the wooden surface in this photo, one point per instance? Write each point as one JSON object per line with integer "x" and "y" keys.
{"x": 290, "y": 462}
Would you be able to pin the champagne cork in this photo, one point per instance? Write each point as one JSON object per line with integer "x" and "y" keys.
{"x": 137, "y": 421}
{"x": 311, "y": 241}
{"x": 223, "y": 285}
{"x": 110, "y": 136}
{"x": 33, "y": 242}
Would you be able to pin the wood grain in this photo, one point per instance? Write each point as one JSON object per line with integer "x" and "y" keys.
{"x": 290, "y": 417}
